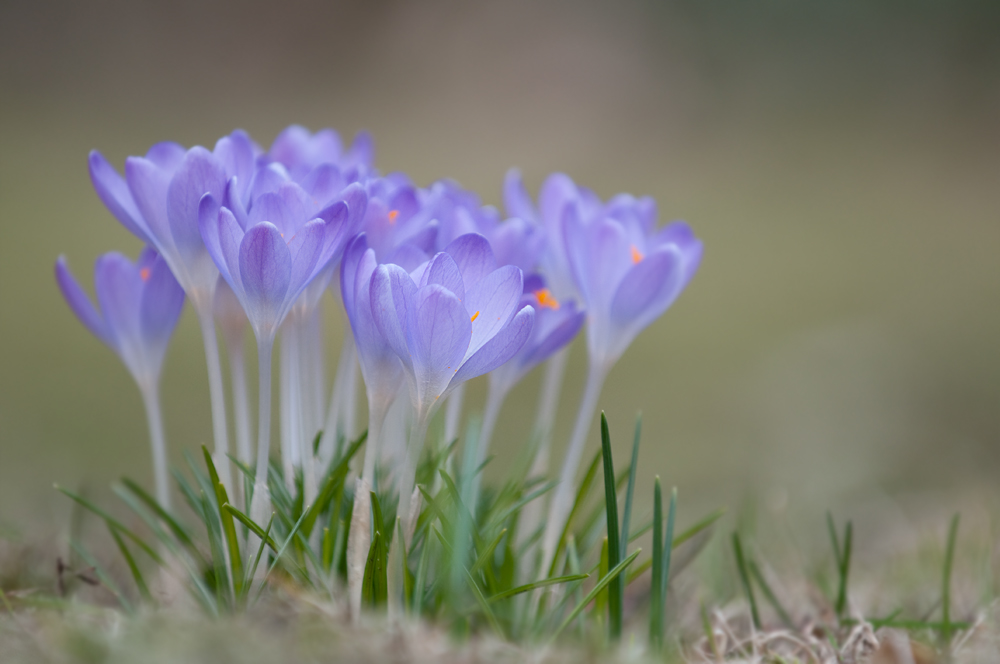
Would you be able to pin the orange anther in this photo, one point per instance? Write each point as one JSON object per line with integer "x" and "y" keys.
{"x": 545, "y": 299}
{"x": 144, "y": 274}
{"x": 475, "y": 316}
{"x": 392, "y": 216}
{"x": 636, "y": 254}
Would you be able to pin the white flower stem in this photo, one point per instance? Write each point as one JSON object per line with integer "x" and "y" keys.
{"x": 562, "y": 501}
{"x": 151, "y": 398}
{"x": 346, "y": 362}
{"x": 541, "y": 437}
{"x": 241, "y": 398}
{"x": 359, "y": 537}
{"x": 418, "y": 433}
{"x": 289, "y": 448}
{"x": 260, "y": 507}
{"x": 494, "y": 402}
{"x": 313, "y": 360}
{"x": 453, "y": 414}
{"x": 206, "y": 317}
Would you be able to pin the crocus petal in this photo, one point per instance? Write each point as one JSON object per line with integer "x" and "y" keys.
{"x": 438, "y": 340}
{"x": 199, "y": 174}
{"x": 515, "y": 197}
{"x": 265, "y": 271}
{"x": 556, "y": 338}
{"x": 443, "y": 271}
{"x": 473, "y": 255}
{"x": 114, "y": 193}
{"x": 149, "y": 184}
{"x": 491, "y": 303}
{"x": 498, "y": 350}
{"x": 235, "y": 153}
{"x": 211, "y": 234}
{"x": 273, "y": 208}
{"x": 167, "y": 155}
{"x": 362, "y": 150}
{"x": 305, "y": 249}
{"x": 556, "y": 193}
{"x": 649, "y": 288}
{"x": 353, "y": 252}
{"x": 392, "y": 292}
{"x": 162, "y": 301}
{"x": 80, "y": 304}
{"x": 599, "y": 254}
{"x": 119, "y": 294}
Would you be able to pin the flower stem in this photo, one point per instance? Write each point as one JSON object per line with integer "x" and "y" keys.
{"x": 151, "y": 398}
{"x": 206, "y": 317}
{"x": 453, "y": 413}
{"x": 346, "y": 362}
{"x": 418, "y": 433}
{"x": 241, "y": 398}
{"x": 261, "y": 504}
{"x": 562, "y": 502}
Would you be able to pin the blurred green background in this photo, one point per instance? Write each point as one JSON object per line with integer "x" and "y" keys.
{"x": 841, "y": 162}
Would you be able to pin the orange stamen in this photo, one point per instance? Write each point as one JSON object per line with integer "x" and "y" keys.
{"x": 144, "y": 274}
{"x": 475, "y": 316}
{"x": 545, "y": 299}
{"x": 392, "y": 216}
{"x": 636, "y": 254}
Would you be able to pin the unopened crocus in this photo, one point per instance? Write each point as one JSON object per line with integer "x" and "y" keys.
{"x": 455, "y": 317}
{"x": 137, "y": 309}
{"x": 627, "y": 273}
{"x": 268, "y": 264}
{"x": 157, "y": 200}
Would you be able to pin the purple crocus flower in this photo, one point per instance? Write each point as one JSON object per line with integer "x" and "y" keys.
{"x": 301, "y": 151}
{"x": 158, "y": 200}
{"x": 138, "y": 308}
{"x": 268, "y": 261}
{"x": 627, "y": 273}
{"x": 455, "y": 317}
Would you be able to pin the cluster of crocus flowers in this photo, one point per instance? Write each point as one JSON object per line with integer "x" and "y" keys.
{"x": 437, "y": 288}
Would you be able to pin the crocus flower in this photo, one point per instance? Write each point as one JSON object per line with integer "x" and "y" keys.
{"x": 268, "y": 264}
{"x": 627, "y": 273}
{"x": 455, "y": 317}
{"x": 157, "y": 200}
{"x": 301, "y": 151}
{"x": 138, "y": 308}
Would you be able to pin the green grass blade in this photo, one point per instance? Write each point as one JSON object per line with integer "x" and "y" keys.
{"x": 477, "y": 592}
{"x": 112, "y": 522}
{"x": 844, "y": 570}
{"x": 769, "y": 595}
{"x": 834, "y": 540}
{"x": 180, "y": 532}
{"x": 374, "y": 590}
{"x": 741, "y": 567}
{"x": 487, "y": 554}
{"x": 630, "y": 490}
{"x": 601, "y": 585}
{"x": 378, "y": 522}
{"x": 581, "y": 496}
{"x": 103, "y": 576}
{"x": 516, "y": 507}
{"x": 656, "y": 590}
{"x": 228, "y": 526}
{"x": 699, "y": 526}
{"x": 140, "y": 582}
{"x": 249, "y": 523}
{"x": 949, "y": 558}
{"x": 615, "y": 588}
{"x": 265, "y": 538}
{"x": 537, "y": 584}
